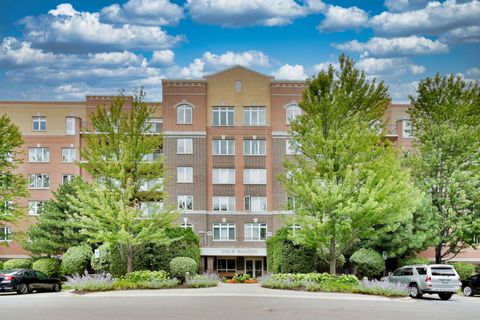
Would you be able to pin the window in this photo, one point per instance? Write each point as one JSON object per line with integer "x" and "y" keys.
{"x": 224, "y": 231}
{"x": 150, "y": 208}
{"x": 443, "y": 271}
{"x": 70, "y": 126}
{"x": 38, "y": 154}
{"x": 68, "y": 155}
{"x": 254, "y": 147}
{"x": 223, "y": 116}
{"x": 407, "y": 129}
{"x": 421, "y": 270}
{"x": 476, "y": 240}
{"x": 292, "y": 112}
{"x": 291, "y": 203}
{"x": 254, "y": 176}
{"x": 184, "y": 114}
{"x": 6, "y": 207}
{"x": 35, "y": 207}
{"x": 294, "y": 228}
{"x": 66, "y": 178}
{"x": 223, "y": 147}
{"x": 292, "y": 147}
{"x": 39, "y": 181}
{"x": 39, "y": 123}
{"x": 152, "y": 185}
{"x": 6, "y": 234}
{"x": 185, "y": 174}
{"x": 226, "y": 265}
{"x": 7, "y": 156}
{"x": 255, "y": 231}
{"x": 151, "y": 157}
{"x": 223, "y": 176}
{"x": 255, "y": 204}
{"x": 186, "y": 225}
{"x": 226, "y": 204}
{"x": 185, "y": 203}
{"x": 154, "y": 125}
{"x": 238, "y": 86}
{"x": 184, "y": 146}
{"x": 254, "y": 116}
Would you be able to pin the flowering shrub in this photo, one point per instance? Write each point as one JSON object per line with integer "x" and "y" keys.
{"x": 382, "y": 288}
{"x": 91, "y": 282}
{"x": 203, "y": 281}
{"x": 241, "y": 278}
{"x": 316, "y": 277}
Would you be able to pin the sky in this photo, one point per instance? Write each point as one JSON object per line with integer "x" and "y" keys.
{"x": 56, "y": 50}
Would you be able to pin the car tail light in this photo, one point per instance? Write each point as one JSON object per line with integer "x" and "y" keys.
{"x": 8, "y": 278}
{"x": 428, "y": 281}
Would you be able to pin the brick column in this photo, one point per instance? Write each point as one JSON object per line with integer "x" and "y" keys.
{"x": 210, "y": 267}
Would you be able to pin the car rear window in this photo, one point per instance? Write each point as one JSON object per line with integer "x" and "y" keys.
{"x": 422, "y": 271}
{"x": 443, "y": 272}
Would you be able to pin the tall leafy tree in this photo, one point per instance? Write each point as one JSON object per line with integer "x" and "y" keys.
{"x": 57, "y": 228}
{"x": 446, "y": 163}
{"x": 12, "y": 185}
{"x": 346, "y": 175}
{"x": 118, "y": 155}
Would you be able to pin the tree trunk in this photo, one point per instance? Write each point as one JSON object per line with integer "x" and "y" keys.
{"x": 438, "y": 253}
{"x": 129, "y": 258}
{"x": 333, "y": 257}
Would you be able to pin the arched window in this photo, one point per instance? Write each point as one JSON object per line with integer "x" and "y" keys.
{"x": 292, "y": 112}
{"x": 186, "y": 225}
{"x": 184, "y": 114}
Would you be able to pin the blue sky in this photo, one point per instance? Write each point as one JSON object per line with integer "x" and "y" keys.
{"x": 58, "y": 50}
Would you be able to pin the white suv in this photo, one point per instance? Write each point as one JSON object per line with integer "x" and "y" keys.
{"x": 441, "y": 279}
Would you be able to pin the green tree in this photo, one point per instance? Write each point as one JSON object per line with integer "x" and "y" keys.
{"x": 346, "y": 175}
{"x": 57, "y": 227}
{"x": 12, "y": 185}
{"x": 119, "y": 158}
{"x": 445, "y": 122}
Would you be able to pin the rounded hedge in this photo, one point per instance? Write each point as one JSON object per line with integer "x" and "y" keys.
{"x": 76, "y": 259}
{"x": 369, "y": 262}
{"x": 102, "y": 263}
{"x": 464, "y": 269}
{"x": 49, "y": 266}
{"x": 181, "y": 265}
{"x": 413, "y": 261}
{"x": 18, "y": 264}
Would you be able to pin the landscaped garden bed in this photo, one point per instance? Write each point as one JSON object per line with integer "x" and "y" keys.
{"x": 324, "y": 282}
{"x": 241, "y": 278}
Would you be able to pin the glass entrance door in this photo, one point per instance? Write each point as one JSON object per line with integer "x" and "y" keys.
{"x": 254, "y": 267}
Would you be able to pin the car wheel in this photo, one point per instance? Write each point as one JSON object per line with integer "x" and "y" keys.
{"x": 23, "y": 288}
{"x": 467, "y": 291}
{"x": 56, "y": 287}
{"x": 414, "y": 292}
{"x": 445, "y": 295}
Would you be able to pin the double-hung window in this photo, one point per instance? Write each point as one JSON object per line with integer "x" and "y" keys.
{"x": 255, "y": 204}
{"x": 184, "y": 114}
{"x": 223, "y": 147}
{"x": 291, "y": 203}
{"x": 226, "y": 265}
{"x": 39, "y": 124}
{"x": 151, "y": 157}
{"x": 38, "y": 154}
{"x": 66, "y": 178}
{"x": 185, "y": 174}
{"x": 254, "y": 147}
{"x": 68, "y": 155}
{"x": 255, "y": 231}
{"x": 70, "y": 126}
{"x": 254, "y": 116}
{"x": 185, "y": 146}
{"x": 224, "y": 204}
{"x": 292, "y": 113}
{"x": 6, "y": 234}
{"x": 6, "y": 207}
{"x": 223, "y": 176}
{"x": 407, "y": 129}
{"x": 292, "y": 147}
{"x": 35, "y": 207}
{"x": 150, "y": 208}
{"x": 254, "y": 176}
{"x": 224, "y": 231}
{"x": 152, "y": 185}
{"x": 223, "y": 116}
{"x": 154, "y": 125}
{"x": 39, "y": 181}
{"x": 185, "y": 203}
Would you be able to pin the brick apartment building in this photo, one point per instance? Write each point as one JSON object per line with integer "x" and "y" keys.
{"x": 225, "y": 138}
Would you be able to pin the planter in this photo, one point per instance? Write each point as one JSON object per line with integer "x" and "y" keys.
{"x": 251, "y": 281}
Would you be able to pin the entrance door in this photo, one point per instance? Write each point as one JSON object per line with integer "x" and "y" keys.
{"x": 254, "y": 267}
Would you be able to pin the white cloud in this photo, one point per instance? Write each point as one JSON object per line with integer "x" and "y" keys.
{"x": 339, "y": 19}
{"x": 63, "y": 9}
{"x": 14, "y": 53}
{"x": 434, "y": 19}
{"x": 474, "y": 72}
{"x": 466, "y": 35}
{"x": 84, "y": 32}
{"x": 400, "y": 91}
{"x": 404, "y": 5}
{"x": 324, "y": 66}
{"x": 389, "y": 66}
{"x": 289, "y": 72}
{"x": 250, "y": 12}
{"x": 394, "y": 47}
{"x": 162, "y": 58}
{"x": 143, "y": 12}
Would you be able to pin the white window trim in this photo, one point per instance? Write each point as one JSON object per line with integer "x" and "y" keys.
{"x": 227, "y": 111}
{"x": 39, "y": 118}
{"x": 220, "y": 199}
{"x": 183, "y": 142}
{"x": 251, "y": 142}
{"x": 258, "y": 111}
{"x": 67, "y": 131}
{"x": 288, "y": 149}
{"x": 184, "y": 108}
{"x": 227, "y": 225}
{"x": 35, "y": 150}
{"x": 405, "y": 134}
{"x": 36, "y": 207}
{"x": 184, "y": 198}
{"x": 227, "y": 143}
{"x": 5, "y": 228}
{"x": 70, "y": 179}
{"x": 71, "y": 151}
{"x": 43, "y": 176}
{"x": 251, "y": 226}
{"x": 187, "y": 225}
{"x": 292, "y": 106}
{"x": 250, "y": 202}
{"x": 185, "y": 170}
{"x": 222, "y": 175}
{"x": 257, "y": 174}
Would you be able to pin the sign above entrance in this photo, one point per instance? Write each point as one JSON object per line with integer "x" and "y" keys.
{"x": 250, "y": 252}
